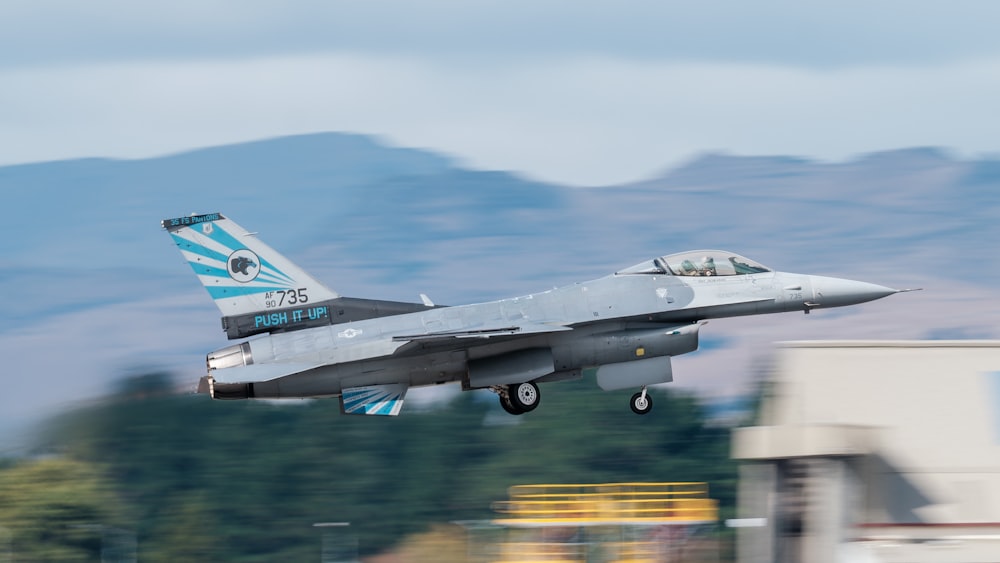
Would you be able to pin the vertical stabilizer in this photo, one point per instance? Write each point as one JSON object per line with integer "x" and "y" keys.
{"x": 241, "y": 273}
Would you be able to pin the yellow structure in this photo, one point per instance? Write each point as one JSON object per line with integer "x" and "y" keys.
{"x": 619, "y": 522}
{"x": 610, "y": 503}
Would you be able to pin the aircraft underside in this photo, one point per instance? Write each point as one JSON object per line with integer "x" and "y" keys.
{"x": 630, "y": 355}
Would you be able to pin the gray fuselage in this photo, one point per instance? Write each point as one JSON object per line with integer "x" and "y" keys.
{"x": 604, "y": 321}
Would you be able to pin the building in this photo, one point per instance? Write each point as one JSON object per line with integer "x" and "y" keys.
{"x": 874, "y": 452}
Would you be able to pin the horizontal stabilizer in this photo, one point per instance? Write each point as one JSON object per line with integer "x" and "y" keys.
{"x": 385, "y": 400}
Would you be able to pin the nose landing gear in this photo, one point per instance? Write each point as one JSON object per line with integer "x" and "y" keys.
{"x": 641, "y": 402}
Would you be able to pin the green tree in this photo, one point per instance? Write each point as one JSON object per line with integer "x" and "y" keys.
{"x": 57, "y": 509}
{"x": 247, "y": 480}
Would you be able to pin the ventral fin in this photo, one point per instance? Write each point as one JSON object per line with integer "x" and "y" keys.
{"x": 384, "y": 400}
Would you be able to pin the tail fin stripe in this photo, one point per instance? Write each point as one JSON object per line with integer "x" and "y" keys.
{"x": 194, "y": 248}
{"x": 203, "y": 269}
{"x": 220, "y": 235}
{"x": 207, "y": 244}
{"x": 218, "y": 269}
{"x": 221, "y": 292}
{"x": 268, "y": 277}
{"x": 285, "y": 278}
{"x": 216, "y": 274}
{"x": 202, "y": 250}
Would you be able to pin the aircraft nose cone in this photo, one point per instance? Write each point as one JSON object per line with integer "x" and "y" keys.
{"x": 836, "y": 292}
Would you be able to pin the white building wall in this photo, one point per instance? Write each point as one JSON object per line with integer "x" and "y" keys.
{"x": 935, "y": 407}
{"x": 901, "y": 445}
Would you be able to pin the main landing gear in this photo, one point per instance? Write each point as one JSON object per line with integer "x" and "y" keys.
{"x": 518, "y": 398}
{"x": 641, "y": 402}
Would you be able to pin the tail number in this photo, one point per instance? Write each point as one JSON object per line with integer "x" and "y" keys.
{"x": 284, "y": 297}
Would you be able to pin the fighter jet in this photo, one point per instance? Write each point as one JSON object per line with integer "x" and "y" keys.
{"x": 309, "y": 341}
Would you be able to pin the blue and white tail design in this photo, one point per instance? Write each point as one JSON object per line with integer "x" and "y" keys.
{"x": 241, "y": 273}
{"x": 386, "y": 400}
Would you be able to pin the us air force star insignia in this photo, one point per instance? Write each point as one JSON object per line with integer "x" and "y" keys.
{"x": 244, "y": 265}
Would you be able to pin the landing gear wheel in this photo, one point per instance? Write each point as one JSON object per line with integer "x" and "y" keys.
{"x": 507, "y": 406}
{"x": 641, "y": 403}
{"x": 524, "y": 396}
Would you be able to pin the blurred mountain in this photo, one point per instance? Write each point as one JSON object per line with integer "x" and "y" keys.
{"x": 99, "y": 202}
{"x": 883, "y": 210}
{"x": 86, "y": 269}
{"x": 348, "y": 199}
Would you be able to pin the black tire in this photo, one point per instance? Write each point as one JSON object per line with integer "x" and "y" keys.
{"x": 524, "y": 396}
{"x": 640, "y": 405}
{"x": 506, "y": 404}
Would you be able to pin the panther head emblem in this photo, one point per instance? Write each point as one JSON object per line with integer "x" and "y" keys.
{"x": 244, "y": 265}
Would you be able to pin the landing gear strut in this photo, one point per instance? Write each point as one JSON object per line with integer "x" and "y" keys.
{"x": 518, "y": 398}
{"x": 641, "y": 402}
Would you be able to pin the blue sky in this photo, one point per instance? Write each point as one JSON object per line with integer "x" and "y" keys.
{"x": 584, "y": 93}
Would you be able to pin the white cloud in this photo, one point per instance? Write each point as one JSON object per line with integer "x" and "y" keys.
{"x": 584, "y": 120}
{"x": 784, "y": 32}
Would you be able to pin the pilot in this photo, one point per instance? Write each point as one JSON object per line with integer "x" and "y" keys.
{"x": 708, "y": 266}
{"x": 688, "y": 269}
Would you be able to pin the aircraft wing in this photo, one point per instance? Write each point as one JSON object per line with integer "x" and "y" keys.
{"x": 487, "y": 332}
{"x": 459, "y": 338}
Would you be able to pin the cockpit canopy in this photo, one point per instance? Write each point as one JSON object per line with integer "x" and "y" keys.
{"x": 699, "y": 263}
